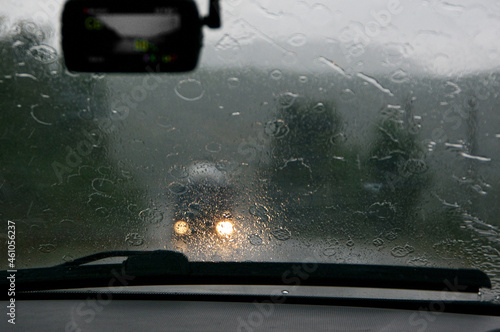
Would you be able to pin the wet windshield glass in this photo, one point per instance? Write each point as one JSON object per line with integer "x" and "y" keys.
{"x": 340, "y": 132}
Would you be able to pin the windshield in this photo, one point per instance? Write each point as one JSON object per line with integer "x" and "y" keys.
{"x": 360, "y": 132}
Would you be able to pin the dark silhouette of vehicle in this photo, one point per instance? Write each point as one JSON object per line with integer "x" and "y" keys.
{"x": 203, "y": 211}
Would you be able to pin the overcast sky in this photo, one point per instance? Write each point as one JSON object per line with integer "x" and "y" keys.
{"x": 441, "y": 36}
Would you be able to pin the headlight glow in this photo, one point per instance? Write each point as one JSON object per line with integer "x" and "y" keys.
{"x": 181, "y": 227}
{"x": 224, "y": 228}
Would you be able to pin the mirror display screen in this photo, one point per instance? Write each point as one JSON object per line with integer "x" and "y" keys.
{"x": 135, "y": 32}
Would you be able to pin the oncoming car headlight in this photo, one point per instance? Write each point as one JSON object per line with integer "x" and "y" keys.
{"x": 181, "y": 227}
{"x": 224, "y": 228}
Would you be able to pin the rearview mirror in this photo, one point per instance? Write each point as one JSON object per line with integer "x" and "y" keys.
{"x": 134, "y": 35}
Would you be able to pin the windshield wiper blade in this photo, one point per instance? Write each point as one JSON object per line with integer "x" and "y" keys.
{"x": 163, "y": 267}
{"x": 103, "y": 255}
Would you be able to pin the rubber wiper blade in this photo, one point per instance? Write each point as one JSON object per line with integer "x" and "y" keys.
{"x": 165, "y": 267}
{"x": 103, "y": 255}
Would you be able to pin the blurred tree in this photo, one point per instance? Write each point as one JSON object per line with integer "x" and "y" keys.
{"x": 397, "y": 160}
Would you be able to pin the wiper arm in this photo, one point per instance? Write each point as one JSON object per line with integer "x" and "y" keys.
{"x": 165, "y": 267}
{"x": 103, "y": 255}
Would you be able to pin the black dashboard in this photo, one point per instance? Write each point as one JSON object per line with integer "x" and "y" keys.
{"x": 84, "y": 311}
